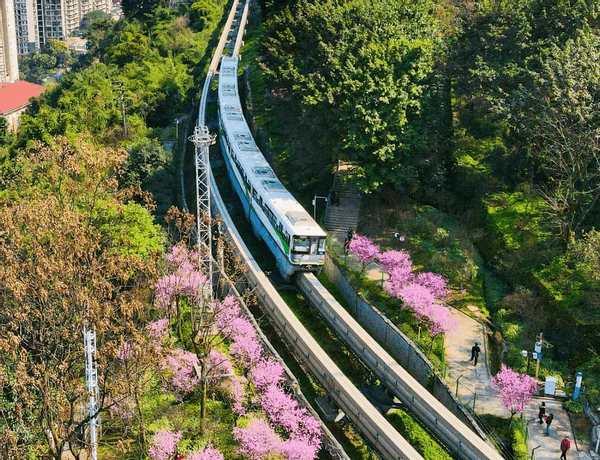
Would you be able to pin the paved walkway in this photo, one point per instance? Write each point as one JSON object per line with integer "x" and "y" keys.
{"x": 475, "y": 384}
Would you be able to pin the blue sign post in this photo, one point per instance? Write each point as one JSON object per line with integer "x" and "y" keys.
{"x": 577, "y": 386}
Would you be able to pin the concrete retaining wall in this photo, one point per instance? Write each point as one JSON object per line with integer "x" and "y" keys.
{"x": 400, "y": 347}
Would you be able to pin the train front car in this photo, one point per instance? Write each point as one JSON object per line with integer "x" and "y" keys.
{"x": 294, "y": 238}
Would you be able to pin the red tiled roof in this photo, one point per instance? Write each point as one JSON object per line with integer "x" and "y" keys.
{"x": 15, "y": 95}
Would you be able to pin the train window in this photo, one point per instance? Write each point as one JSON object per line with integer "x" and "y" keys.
{"x": 322, "y": 243}
{"x": 301, "y": 244}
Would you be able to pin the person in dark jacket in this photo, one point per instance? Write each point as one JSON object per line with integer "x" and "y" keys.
{"x": 542, "y": 412}
{"x": 549, "y": 419}
{"x": 475, "y": 350}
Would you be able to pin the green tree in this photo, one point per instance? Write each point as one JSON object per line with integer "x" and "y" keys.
{"x": 5, "y": 134}
{"x": 203, "y": 14}
{"x": 37, "y": 67}
{"x": 360, "y": 76}
{"x": 66, "y": 262}
{"x": 141, "y": 9}
{"x": 559, "y": 116}
{"x": 59, "y": 50}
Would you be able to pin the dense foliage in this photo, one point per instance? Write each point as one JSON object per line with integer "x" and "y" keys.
{"x": 360, "y": 78}
{"x": 486, "y": 111}
{"x": 74, "y": 252}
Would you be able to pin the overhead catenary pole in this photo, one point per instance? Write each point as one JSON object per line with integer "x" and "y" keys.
{"x": 202, "y": 139}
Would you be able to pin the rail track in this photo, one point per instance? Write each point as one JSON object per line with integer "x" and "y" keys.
{"x": 374, "y": 427}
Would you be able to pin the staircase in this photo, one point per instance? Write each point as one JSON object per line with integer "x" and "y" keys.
{"x": 343, "y": 215}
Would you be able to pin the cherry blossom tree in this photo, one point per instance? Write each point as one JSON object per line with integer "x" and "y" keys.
{"x": 206, "y": 453}
{"x": 257, "y": 440}
{"x": 164, "y": 444}
{"x": 398, "y": 265}
{"x": 515, "y": 390}
{"x": 366, "y": 251}
{"x": 266, "y": 372}
{"x": 180, "y": 365}
{"x": 184, "y": 283}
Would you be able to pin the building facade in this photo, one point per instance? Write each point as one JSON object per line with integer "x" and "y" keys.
{"x": 39, "y": 21}
{"x": 14, "y": 100}
{"x": 9, "y": 65}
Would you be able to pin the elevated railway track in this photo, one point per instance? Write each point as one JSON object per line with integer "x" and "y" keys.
{"x": 459, "y": 438}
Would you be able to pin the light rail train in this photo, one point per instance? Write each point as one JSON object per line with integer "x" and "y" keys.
{"x": 298, "y": 244}
{"x": 294, "y": 238}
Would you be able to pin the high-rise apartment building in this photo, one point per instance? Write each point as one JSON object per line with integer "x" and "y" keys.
{"x": 26, "y": 25}
{"x": 9, "y": 66}
{"x": 39, "y": 21}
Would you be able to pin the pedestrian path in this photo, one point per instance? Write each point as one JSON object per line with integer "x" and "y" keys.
{"x": 547, "y": 447}
{"x": 473, "y": 383}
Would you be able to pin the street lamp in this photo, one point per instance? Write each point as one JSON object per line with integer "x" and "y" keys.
{"x": 176, "y": 128}
{"x": 529, "y": 355}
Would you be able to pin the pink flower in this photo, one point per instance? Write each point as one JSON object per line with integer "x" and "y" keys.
{"x": 257, "y": 440}
{"x": 515, "y": 390}
{"x": 180, "y": 364}
{"x": 206, "y": 453}
{"x": 266, "y": 372}
{"x": 434, "y": 282}
{"x": 163, "y": 445}
{"x": 365, "y": 249}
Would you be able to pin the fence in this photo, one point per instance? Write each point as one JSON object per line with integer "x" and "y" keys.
{"x": 400, "y": 347}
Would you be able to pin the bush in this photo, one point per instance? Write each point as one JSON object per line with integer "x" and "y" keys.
{"x": 574, "y": 407}
{"x": 518, "y": 440}
{"x": 417, "y": 436}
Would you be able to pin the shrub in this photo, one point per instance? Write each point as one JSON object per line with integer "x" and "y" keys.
{"x": 518, "y": 440}
{"x": 417, "y": 436}
{"x": 574, "y": 407}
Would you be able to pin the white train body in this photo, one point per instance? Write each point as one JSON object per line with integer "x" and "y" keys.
{"x": 295, "y": 239}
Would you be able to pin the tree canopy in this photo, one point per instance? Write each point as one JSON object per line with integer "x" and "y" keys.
{"x": 73, "y": 253}
{"x": 361, "y": 76}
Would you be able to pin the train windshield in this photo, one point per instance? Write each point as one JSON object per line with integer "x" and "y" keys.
{"x": 301, "y": 244}
{"x": 307, "y": 244}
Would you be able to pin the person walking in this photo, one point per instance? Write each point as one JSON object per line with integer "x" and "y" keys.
{"x": 549, "y": 419}
{"x": 475, "y": 350}
{"x": 565, "y": 445}
{"x": 542, "y": 412}
{"x": 349, "y": 237}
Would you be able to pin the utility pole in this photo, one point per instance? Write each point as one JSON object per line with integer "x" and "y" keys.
{"x": 202, "y": 139}
{"x": 91, "y": 383}
{"x": 121, "y": 85}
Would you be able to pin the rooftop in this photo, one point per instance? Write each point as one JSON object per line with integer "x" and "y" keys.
{"x": 15, "y": 95}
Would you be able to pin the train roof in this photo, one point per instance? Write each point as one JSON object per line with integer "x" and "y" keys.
{"x": 260, "y": 174}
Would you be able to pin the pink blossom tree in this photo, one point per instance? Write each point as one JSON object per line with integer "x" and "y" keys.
{"x": 515, "y": 390}
{"x": 266, "y": 372}
{"x": 206, "y": 453}
{"x": 436, "y": 284}
{"x": 257, "y": 440}
{"x": 435, "y": 317}
{"x": 180, "y": 365}
{"x": 366, "y": 251}
{"x": 185, "y": 282}
{"x": 398, "y": 265}
{"x": 163, "y": 444}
